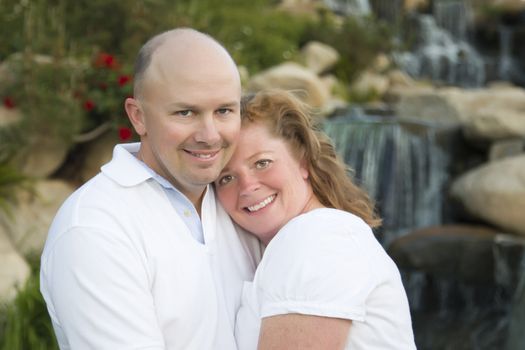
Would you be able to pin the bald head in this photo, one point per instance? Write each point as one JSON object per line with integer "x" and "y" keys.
{"x": 181, "y": 49}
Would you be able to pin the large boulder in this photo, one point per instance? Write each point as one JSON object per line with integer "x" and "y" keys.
{"x": 454, "y": 251}
{"x": 489, "y": 114}
{"x": 292, "y": 76}
{"x": 31, "y": 216}
{"x": 41, "y": 156}
{"x": 495, "y": 193}
{"x": 98, "y": 152}
{"x": 319, "y": 57}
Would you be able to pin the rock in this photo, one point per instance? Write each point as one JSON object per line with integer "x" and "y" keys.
{"x": 495, "y": 114}
{"x": 490, "y": 114}
{"x": 452, "y": 251}
{"x": 319, "y": 57}
{"x": 32, "y": 215}
{"x": 425, "y": 103}
{"x": 370, "y": 83}
{"x": 292, "y": 76}
{"x": 506, "y": 148}
{"x": 41, "y": 157}
{"x": 415, "y": 5}
{"x": 14, "y": 270}
{"x": 98, "y": 153}
{"x": 495, "y": 193}
{"x": 398, "y": 78}
{"x": 9, "y": 116}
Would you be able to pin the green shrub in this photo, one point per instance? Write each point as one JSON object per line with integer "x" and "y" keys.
{"x": 25, "y": 323}
{"x": 358, "y": 41}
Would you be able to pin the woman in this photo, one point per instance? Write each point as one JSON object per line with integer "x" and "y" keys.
{"x": 324, "y": 281}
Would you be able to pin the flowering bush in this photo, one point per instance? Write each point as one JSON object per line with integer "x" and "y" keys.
{"x": 106, "y": 85}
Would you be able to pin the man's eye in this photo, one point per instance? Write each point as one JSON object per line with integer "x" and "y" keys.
{"x": 224, "y": 111}
{"x": 184, "y": 113}
{"x": 225, "y": 180}
{"x": 263, "y": 163}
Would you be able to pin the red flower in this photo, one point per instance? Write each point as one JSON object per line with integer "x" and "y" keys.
{"x": 9, "y": 103}
{"x": 89, "y": 105}
{"x": 106, "y": 60}
{"x": 124, "y": 133}
{"x": 123, "y": 80}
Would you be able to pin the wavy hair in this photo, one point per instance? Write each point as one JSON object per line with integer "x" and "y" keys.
{"x": 290, "y": 119}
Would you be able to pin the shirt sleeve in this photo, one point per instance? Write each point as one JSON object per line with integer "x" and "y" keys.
{"x": 314, "y": 269}
{"x": 98, "y": 293}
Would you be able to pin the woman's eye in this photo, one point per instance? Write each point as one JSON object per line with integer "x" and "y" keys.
{"x": 225, "y": 180}
{"x": 263, "y": 163}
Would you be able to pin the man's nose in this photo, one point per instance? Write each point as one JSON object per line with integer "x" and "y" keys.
{"x": 208, "y": 131}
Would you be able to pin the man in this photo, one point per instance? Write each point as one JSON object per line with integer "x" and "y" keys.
{"x": 141, "y": 256}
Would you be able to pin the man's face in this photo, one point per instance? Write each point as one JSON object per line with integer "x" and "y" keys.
{"x": 191, "y": 123}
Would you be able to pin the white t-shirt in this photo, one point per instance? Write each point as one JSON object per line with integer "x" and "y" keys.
{"x": 327, "y": 262}
{"x": 121, "y": 270}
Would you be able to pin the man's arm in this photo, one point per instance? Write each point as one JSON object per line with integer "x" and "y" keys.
{"x": 295, "y": 331}
{"x": 98, "y": 294}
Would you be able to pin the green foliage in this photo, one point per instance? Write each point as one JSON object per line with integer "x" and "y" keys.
{"x": 358, "y": 41}
{"x": 41, "y": 89}
{"x": 256, "y": 33}
{"x": 25, "y": 323}
{"x": 10, "y": 179}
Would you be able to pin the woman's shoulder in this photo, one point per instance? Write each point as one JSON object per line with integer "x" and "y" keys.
{"x": 320, "y": 224}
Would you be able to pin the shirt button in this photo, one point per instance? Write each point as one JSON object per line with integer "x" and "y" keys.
{"x": 187, "y": 213}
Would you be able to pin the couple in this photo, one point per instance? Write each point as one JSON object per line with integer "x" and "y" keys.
{"x": 143, "y": 256}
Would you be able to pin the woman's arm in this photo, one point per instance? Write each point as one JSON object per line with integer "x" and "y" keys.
{"x": 296, "y": 331}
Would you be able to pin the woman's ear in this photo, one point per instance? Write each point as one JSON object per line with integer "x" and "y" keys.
{"x": 304, "y": 169}
{"x": 136, "y": 115}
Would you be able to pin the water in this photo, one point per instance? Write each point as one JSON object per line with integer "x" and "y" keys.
{"x": 441, "y": 58}
{"x": 404, "y": 165}
{"x": 349, "y": 7}
{"x": 401, "y": 166}
{"x": 454, "y": 16}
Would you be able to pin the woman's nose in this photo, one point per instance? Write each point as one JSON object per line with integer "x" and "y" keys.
{"x": 248, "y": 184}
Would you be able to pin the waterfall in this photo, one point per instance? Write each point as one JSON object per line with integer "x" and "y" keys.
{"x": 389, "y": 10}
{"x": 508, "y": 67}
{"x": 442, "y": 59}
{"x": 453, "y": 16}
{"x": 400, "y": 165}
{"x": 349, "y": 7}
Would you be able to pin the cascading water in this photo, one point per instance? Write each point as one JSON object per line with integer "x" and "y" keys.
{"x": 400, "y": 165}
{"x": 441, "y": 58}
{"x": 453, "y": 16}
{"x": 404, "y": 165}
{"x": 349, "y": 7}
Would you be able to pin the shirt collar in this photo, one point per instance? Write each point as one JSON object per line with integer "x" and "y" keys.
{"x": 124, "y": 168}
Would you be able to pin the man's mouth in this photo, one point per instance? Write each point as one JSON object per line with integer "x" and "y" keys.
{"x": 202, "y": 155}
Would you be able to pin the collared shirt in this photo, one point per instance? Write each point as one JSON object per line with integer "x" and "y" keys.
{"x": 180, "y": 203}
{"x": 120, "y": 269}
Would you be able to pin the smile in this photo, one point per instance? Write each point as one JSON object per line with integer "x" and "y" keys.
{"x": 203, "y": 155}
{"x": 259, "y": 206}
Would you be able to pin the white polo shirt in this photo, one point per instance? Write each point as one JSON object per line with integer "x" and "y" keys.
{"x": 120, "y": 269}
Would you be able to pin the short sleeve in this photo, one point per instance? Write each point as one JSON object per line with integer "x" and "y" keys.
{"x": 98, "y": 293}
{"x": 316, "y": 266}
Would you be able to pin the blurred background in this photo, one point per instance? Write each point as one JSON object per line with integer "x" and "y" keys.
{"x": 424, "y": 99}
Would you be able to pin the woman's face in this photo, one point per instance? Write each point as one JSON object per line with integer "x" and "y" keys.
{"x": 264, "y": 185}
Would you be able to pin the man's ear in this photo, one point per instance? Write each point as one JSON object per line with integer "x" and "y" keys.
{"x": 135, "y": 115}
